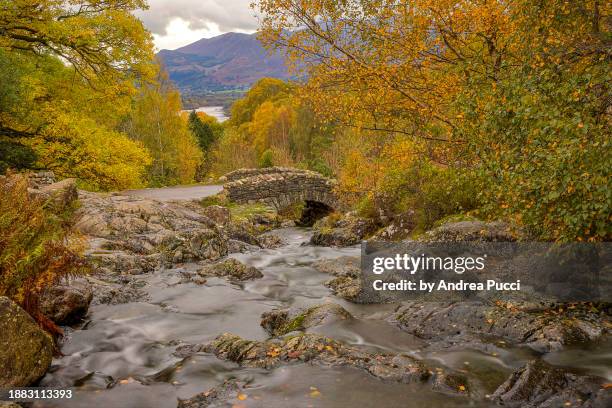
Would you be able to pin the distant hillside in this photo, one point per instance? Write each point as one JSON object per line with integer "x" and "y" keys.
{"x": 230, "y": 61}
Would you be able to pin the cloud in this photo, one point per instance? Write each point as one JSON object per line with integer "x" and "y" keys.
{"x": 169, "y": 20}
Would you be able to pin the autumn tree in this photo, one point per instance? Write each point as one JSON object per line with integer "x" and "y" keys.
{"x": 73, "y": 68}
{"x": 514, "y": 91}
{"x": 278, "y": 129}
{"x": 156, "y": 122}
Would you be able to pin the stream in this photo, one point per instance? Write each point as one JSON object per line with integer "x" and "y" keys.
{"x": 123, "y": 355}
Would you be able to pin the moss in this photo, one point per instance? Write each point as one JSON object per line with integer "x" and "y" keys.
{"x": 297, "y": 323}
{"x": 454, "y": 218}
{"x": 244, "y": 212}
{"x": 217, "y": 199}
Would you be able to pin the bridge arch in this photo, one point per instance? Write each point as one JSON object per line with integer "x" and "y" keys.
{"x": 281, "y": 187}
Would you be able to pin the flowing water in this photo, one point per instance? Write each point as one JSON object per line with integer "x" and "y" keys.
{"x": 122, "y": 357}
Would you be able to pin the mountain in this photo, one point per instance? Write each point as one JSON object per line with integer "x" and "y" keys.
{"x": 230, "y": 61}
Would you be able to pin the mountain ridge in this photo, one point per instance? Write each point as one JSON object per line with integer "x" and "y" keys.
{"x": 230, "y": 61}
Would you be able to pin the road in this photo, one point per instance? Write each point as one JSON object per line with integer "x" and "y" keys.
{"x": 176, "y": 193}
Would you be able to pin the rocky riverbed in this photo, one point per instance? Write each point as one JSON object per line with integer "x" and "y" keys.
{"x": 192, "y": 308}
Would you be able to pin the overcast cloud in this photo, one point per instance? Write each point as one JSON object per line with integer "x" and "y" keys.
{"x": 175, "y": 23}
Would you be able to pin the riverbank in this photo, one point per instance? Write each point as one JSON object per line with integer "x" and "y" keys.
{"x": 165, "y": 298}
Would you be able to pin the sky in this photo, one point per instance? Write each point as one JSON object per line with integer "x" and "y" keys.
{"x": 175, "y": 23}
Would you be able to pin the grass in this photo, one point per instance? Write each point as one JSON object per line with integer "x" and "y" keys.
{"x": 239, "y": 212}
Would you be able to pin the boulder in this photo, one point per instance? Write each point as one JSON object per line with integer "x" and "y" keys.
{"x": 195, "y": 245}
{"x": 341, "y": 266}
{"x": 278, "y": 322}
{"x": 216, "y": 396}
{"x": 269, "y": 241}
{"x": 540, "y": 385}
{"x": 7, "y": 404}
{"x": 347, "y": 277}
{"x": 41, "y": 178}
{"x": 347, "y": 231}
{"x": 320, "y": 350}
{"x": 398, "y": 229}
{"x": 25, "y": 349}
{"x": 347, "y": 287}
{"x": 220, "y": 215}
{"x": 66, "y": 304}
{"x": 232, "y": 269}
{"x": 542, "y": 330}
{"x": 496, "y": 231}
{"x": 58, "y": 195}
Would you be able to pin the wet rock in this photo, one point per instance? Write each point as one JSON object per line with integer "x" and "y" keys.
{"x": 497, "y": 231}
{"x": 539, "y": 329}
{"x": 451, "y": 383}
{"x": 201, "y": 244}
{"x": 124, "y": 262}
{"x": 220, "y": 215}
{"x": 269, "y": 241}
{"x": 264, "y": 221}
{"x": 67, "y": 304}
{"x": 540, "y": 385}
{"x": 342, "y": 266}
{"x": 346, "y": 287}
{"x": 117, "y": 290}
{"x": 398, "y": 229}
{"x": 280, "y": 322}
{"x": 232, "y": 269}
{"x": 217, "y": 395}
{"x": 25, "y": 349}
{"x": 242, "y": 232}
{"x": 347, "y": 231}
{"x": 346, "y": 282}
{"x": 235, "y": 246}
{"x": 322, "y": 350}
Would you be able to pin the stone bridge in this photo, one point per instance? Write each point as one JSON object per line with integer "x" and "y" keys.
{"x": 280, "y": 187}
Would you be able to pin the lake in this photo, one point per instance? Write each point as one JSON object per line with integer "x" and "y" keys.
{"x": 214, "y": 111}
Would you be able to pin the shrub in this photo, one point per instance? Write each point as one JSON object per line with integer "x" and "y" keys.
{"x": 404, "y": 179}
{"x": 35, "y": 250}
{"x": 266, "y": 159}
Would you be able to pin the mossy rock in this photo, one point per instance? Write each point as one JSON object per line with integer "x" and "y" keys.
{"x": 25, "y": 349}
{"x": 280, "y": 322}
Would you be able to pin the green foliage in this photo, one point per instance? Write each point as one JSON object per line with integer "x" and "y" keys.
{"x": 239, "y": 212}
{"x": 203, "y": 132}
{"x": 544, "y": 153}
{"x": 35, "y": 252}
{"x": 266, "y": 159}
{"x": 15, "y": 155}
{"x": 430, "y": 191}
{"x": 217, "y": 199}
